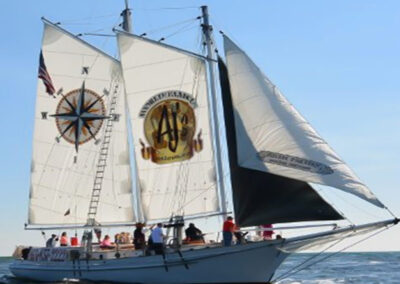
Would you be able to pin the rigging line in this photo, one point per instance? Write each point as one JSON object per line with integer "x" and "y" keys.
{"x": 88, "y": 24}
{"x": 343, "y": 249}
{"x": 390, "y": 212}
{"x": 97, "y": 56}
{"x": 320, "y": 189}
{"x": 191, "y": 20}
{"x": 202, "y": 192}
{"x": 110, "y": 152}
{"x": 98, "y": 30}
{"x": 184, "y": 166}
{"x": 182, "y": 30}
{"x": 86, "y": 18}
{"x": 336, "y": 194}
{"x": 182, "y": 169}
{"x": 288, "y": 273}
{"x": 168, "y": 8}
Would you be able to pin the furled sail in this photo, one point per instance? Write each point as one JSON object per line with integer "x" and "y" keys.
{"x": 168, "y": 105}
{"x": 273, "y": 137}
{"x": 78, "y": 87}
{"x": 263, "y": 198}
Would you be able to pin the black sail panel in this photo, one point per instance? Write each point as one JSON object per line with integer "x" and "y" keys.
{"x": 264, "y": 198}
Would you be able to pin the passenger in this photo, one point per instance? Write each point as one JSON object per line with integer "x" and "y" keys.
{"x": 51, "y": 243}
{"x": 106, "y": 243}
{"x": 267, "y": 234}
{"x": 193, "y": 233}
{"x": 97, "y": 232}
{"x": 227, "y": 231}
{"x": 117, "y": 238}
{"x": 239, "y": 235}
{"x": 138, "y": 237}
{"x": 157, "y": 238}
{"x": 64, "y": 240}
{"x": 125, "y": 238}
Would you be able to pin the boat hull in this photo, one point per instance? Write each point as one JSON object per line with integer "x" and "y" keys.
{"x": 255, "y": 263}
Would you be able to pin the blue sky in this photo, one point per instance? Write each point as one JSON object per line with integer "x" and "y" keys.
{"x": 336, "y": 61}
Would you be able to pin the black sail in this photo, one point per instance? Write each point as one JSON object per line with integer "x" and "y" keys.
{"x": 264, "y": 198}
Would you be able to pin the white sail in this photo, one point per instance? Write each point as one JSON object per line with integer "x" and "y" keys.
{"x": 63, "y": 171}
{"x": 273, "y": 137}
{"x": 168, "y": 105}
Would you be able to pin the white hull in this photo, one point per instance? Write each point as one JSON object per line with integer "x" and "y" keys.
{"x": 254, "y": 262}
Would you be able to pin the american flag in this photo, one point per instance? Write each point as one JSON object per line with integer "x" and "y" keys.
{"x": 44, "y": 75}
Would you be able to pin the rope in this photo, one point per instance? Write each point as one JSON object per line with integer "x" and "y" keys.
{"x": 337, "y": 195}
{"x": 287, "y": 274}
{"x": 181, "y": 30}
{"x": 170, "y": 8}
{"x": 69, "y": 21}
{"x": 307, "y": 260}
{"x": 390, "y": 212}
{"x": 191, "y": 20}
{"x": 319, "y": 189}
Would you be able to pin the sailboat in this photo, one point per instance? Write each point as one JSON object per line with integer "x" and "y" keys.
{"x": 83, "y": 177}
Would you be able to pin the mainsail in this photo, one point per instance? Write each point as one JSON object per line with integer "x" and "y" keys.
{"x": 168, "y": 104}
{"x": 71, "y": 121}
{"x": 261, "y": 197}
{"x": 273, "y": 137}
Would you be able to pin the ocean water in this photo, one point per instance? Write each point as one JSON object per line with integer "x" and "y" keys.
{"x": 366, "y": 268}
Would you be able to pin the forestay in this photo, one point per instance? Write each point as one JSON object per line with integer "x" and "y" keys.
{"x": 273, "y": 137}
{"x": 65, "y": 152}
{"x": 168, "y": 105}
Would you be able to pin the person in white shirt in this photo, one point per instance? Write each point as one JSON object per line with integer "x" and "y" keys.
{"x": 157, "y": 238}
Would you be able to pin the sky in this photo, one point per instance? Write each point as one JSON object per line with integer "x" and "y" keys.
{"x": 336, "y": 61}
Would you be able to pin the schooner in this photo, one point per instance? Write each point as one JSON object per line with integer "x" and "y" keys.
{"x": 87, "y": 105}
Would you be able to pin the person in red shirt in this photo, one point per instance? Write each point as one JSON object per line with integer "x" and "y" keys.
{"x": 227, "y": 231}
{"x": 267, "y": 234}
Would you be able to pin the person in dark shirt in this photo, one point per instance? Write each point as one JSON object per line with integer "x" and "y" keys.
{"x": 51, "y": 243}
{"x": 193, "y": 233}
{"x": 138, "y": 237}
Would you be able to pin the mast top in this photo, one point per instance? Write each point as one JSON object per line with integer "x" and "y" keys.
{"x": 126, "y": 16}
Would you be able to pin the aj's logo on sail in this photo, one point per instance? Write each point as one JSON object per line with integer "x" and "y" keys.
{"x": 169, "y": 128}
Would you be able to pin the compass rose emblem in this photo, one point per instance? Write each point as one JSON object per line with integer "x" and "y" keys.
{"x": 79, "y": 116}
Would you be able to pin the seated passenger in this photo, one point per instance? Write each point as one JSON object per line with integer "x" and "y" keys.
{"x": 193, "y": 233}
{"x": 64, "y": 240}
{"x": 106, "y": 243}
{"x": 51, "y": 243}
{"x": 239, "y": 235}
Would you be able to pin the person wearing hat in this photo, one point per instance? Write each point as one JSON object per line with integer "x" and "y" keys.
{"x": 51, "y": 243}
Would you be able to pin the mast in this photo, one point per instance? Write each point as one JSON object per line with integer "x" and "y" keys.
{"x": 101, "y": 163}
{"x": 127, "y": 26}
{"x": 126, "y": 16}
{"x": 207, "y": 30}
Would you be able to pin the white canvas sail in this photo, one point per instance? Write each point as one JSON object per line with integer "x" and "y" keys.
{"x": 168, "y": 105}
{"x": 63, "y": 169}
{"x": 273, "y": 137}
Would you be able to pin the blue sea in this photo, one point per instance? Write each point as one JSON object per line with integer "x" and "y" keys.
{"x": 366, "y": 267}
